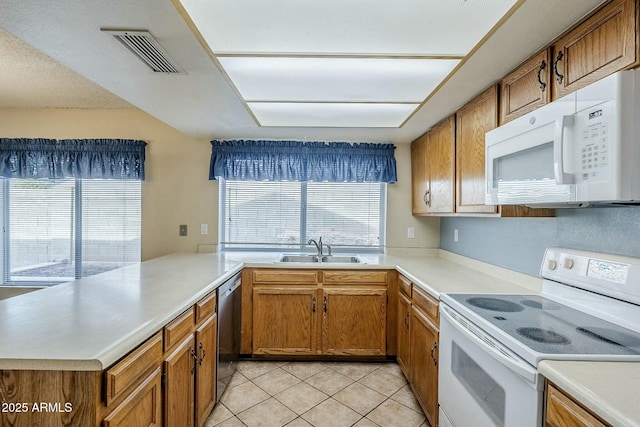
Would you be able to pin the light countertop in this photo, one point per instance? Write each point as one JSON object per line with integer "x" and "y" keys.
{"x": 89, "y": 324}
{"x": 608, "y": 389}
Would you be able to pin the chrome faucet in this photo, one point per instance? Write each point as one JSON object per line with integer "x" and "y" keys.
{"x": 328, "y": 249}
{"x": 318, "y": 245}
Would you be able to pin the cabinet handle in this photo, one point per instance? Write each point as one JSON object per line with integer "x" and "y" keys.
{"x": 435, "y": 346}
{"x": 559, "y": 77}
{"x": 195, "y": 360}
{"x": 406, "y": 321}
{"x": 543, "y": 85}
{"x": 324, "y": 304}
{"x": 313, "y": 305}
{"x": 427, "y": 198}
{"x": 203, "y": 352}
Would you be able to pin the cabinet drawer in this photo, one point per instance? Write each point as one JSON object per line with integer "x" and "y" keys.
{"x": 206, "y": 307}
{"x": 564, "y": 411}
{"x": 405, "y": 286}
{"x": 142, "y": 407}
{"x": 179, "y": 327}
{"x": 129, "y": 372}
{"x": 355, "y": 276}
{"x": 426, "y": 303}
{"x": 285, "y": 276}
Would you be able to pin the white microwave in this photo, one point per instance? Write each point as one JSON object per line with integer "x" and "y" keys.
{"x": 579, "y": 150}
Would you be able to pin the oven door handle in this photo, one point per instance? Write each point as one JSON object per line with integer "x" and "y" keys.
{"x": 490, "y": 346}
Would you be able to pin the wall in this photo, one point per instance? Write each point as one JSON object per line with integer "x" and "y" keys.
{"x": 176, "y": 190}
{"x": 519, "y": 243}
{"x": 427, "y": 230}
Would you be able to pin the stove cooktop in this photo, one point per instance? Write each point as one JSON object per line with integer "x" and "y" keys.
{"x": 548, "y": 327}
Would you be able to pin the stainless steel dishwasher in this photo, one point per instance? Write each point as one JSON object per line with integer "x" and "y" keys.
{"x": 229, "y": 312}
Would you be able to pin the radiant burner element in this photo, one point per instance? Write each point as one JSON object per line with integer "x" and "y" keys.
{"x": 543, "y": 335}
{"x": 495, "y": 304}
{"x": 610, "y": 336}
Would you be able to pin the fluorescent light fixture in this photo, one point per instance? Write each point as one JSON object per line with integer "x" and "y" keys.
{"x": 331, "y": 114}
{"x": 335, "y": 79}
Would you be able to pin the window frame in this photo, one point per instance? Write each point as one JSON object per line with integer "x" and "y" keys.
{"x": 5, "y": 251}
{"x": 302, "y": 247}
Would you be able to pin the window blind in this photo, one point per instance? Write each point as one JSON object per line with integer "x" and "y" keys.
{"x": 59, "y": 230}
{"x": 284, "y": 215}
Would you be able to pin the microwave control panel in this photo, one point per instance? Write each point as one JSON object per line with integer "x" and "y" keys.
{"x": 594, "y": 135}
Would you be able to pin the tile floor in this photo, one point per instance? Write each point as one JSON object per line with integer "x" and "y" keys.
{"x": 332, "y": 394}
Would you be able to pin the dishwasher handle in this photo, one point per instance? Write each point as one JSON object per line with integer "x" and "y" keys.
{"x": 233, "y": 287}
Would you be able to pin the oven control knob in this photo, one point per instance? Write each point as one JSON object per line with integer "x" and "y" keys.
{"x": 552, "y": 264}
{"x": 568, "y": 263}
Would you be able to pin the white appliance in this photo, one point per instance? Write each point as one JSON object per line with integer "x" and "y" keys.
{"x": 579, "y": 150}
{"x": 491, "y": 344}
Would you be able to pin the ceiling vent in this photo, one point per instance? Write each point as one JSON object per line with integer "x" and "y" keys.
{"x": 147, "y": 48}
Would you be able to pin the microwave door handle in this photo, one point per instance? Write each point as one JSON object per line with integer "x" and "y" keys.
{"x": 558, "y": 146}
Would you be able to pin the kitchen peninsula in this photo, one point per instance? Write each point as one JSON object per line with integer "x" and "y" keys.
{"x": 64, "y": 339}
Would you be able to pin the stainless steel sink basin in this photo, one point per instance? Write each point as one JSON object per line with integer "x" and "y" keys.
{"x": 342, "y": 259}
{"x": 299, "y": 258}
{"x": 328, "y": 259}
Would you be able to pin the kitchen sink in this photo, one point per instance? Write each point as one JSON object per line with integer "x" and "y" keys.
{"x": 342, "y": 259}
{"x": 327, "y": 259}
{"x": 299, "y": 258}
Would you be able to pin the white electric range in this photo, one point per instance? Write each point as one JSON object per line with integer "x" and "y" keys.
{"x": 491, "y": 344}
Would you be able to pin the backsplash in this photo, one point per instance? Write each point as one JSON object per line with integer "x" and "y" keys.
{"x": 519, "y": 243}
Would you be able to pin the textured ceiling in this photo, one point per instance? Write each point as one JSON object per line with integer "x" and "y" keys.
{"x": 31, "y": 79}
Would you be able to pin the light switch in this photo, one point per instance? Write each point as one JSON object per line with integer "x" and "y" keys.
{"x": 204, "y": 229}
{"x": 411, "y": 233}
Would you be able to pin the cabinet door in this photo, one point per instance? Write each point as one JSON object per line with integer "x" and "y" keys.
{"x": 404, "y": 335}
{"x": 179, "y": 369}
{"x": 206, "y": 339}
{"x": 601, "y": 45}
{"x": 424, "y": 364}
{"x": 419, "y": 176}
{"x": 472, "y": 122}
{"x": 441, "y": 167}
{"x": 526, "y": 88}
{"x": 284, "y": 320}
{"x": 141, "y": 408}
{"x": 561, "y": 411}
{"x": 354, "y": 321}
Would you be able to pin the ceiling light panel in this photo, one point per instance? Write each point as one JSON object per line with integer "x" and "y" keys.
{"x": 330, "y": 114}
{"x": 335, "y": 79}
{"x": 411, "y": 27}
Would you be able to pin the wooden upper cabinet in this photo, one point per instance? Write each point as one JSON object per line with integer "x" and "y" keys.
{"x": 472, "y": 122}
{"x": 601, "y": 45}
{"x": 526, "y": 88}
{"x": 433, "y": 170}
{"x": 441, "y": 160}
{"x": 419, "y": 176}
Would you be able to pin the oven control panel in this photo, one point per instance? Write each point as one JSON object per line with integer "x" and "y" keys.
{"x": 606, "y": 274}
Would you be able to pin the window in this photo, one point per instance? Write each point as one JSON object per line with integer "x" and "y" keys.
{"x": 60, "y": 230}
{"x": 285, "y": 215}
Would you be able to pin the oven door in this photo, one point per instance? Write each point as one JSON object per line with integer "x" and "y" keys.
{"x": 481, "y": 383}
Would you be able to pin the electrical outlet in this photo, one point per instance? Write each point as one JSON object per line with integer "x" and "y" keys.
{"x": 455, "y": 234}
{"x": 183, "y": 229}
{"x": 411, "y": 233}
{"x": 204, "y": 229}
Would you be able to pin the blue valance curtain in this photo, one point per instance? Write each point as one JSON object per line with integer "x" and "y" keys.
{"x": 302, "y": 161}
{"x": 78, "y": 158}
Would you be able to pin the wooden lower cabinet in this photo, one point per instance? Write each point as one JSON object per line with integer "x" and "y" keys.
{"x": 142, "y": 408}
{"x": 179, "y": 370}
{"x": 354, "y": 321}
{"x": 190, "y": 369}
{"x": 317, "y": 312}
{"x": 404, "y": 335}
{"x": 284, "y": 320}
{"x": 418, "y": 333}
{"x": 562, "y": 410}
{"x": 206, "y": 384}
